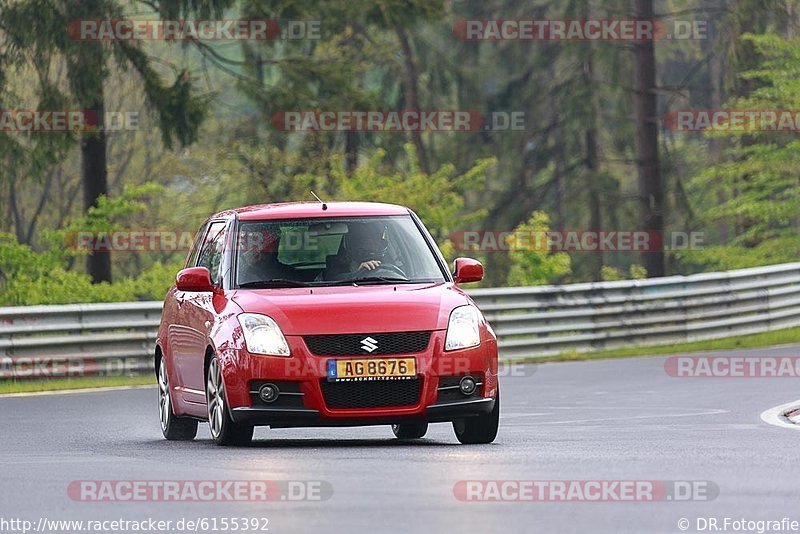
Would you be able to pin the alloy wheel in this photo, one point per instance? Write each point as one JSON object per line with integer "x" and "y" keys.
{"x": 164, "y": 408}
{"x": 216, "y": 398}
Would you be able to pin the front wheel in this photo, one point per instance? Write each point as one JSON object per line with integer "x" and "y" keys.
{"x": 173, "y": 427}
{"x": 410, "y": 430}
{"x": 480, "y": 429}
{"x": 223, "y": 430}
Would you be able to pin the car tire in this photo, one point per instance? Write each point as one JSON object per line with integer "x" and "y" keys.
{"x": 173, "y": 427}
{"x": 224, "y": 431}
{"x": 410, "y": 430}
{"x": 481, "y": 429}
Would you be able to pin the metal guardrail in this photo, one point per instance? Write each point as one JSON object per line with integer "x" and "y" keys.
{"x": 78, "y": 339}
{"x": 118, "y": 338}
{"x": 547, "y": 320}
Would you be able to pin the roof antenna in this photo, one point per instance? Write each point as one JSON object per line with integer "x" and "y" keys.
{"x": 324, "y": 206}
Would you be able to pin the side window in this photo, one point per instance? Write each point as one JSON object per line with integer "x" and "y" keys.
{"x": 212, "y": 250}
{"x": 191, "y": 259}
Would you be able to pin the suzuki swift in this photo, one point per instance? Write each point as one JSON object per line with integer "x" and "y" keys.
{"x": 314, "y": 314}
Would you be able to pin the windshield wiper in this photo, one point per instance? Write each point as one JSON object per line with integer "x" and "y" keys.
{"x": 275, "y": 282}
{"x": 378, "y": 280}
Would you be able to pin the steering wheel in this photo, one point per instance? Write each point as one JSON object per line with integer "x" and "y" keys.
{"x": 394, "y": 269}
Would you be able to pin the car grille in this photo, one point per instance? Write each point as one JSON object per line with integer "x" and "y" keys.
{"x": 371, "y": 393}
{"x": 351, "y": 344}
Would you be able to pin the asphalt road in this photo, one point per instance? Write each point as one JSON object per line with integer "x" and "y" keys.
{"x": 603, "y": 420}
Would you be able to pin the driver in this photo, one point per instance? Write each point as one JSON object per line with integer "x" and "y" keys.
{"x": 366, "y": 246}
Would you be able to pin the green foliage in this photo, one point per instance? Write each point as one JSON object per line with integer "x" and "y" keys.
{"x": 758, "y": 179}
{"x": 48, "y": 277}
{"x": 110, "y": 212}
{"x": 28, "y": 277}
{"x": 612, "y": 274}
{"x": 154, "y": 282}
{"x": 438, "y": 198}
{"x": 637, "y": 272}
{"x": 533, "y": 264}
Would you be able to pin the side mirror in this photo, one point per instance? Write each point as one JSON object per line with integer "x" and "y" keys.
{"x": 467, "y": 270}
{"x": 194, "y": 279}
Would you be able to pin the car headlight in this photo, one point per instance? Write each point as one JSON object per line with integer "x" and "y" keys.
{"x": 462, "y": 330}
{"x": 263, "y": 335}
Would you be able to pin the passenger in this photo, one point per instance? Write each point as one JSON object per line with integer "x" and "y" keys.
{"x": 258, "y": 259}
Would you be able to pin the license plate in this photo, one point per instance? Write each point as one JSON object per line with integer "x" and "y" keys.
{"x": 372, "y": 369}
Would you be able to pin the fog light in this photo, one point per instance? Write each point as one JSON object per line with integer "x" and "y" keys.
{"x": 269, "y": 393}
{"x": 467, "y": 386}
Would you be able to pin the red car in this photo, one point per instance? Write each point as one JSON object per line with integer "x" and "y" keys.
{"x": 313, "y": 314}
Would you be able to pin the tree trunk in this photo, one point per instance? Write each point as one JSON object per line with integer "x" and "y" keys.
{"x": 86, "y": 72}
{"x": 410, "y": 82}
{"x": 351, "y": 143}
{"x": 597, "y": 259}
{"x": 95, "y": 185}
{"x": 716, "y": 144}
{"x": 560, "y": 159}
{"x": 651, "y": 194}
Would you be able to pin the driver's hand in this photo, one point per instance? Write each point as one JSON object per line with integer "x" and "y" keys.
{"x": 369, "y": 265}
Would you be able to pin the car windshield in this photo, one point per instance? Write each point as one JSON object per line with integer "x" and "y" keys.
{"x": 333, "y": 251}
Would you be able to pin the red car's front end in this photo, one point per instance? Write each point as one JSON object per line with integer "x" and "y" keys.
{"x": 329, "y": 325}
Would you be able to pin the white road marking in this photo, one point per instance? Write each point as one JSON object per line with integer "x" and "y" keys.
{"x": 71, "y": 391}
{"x": 652, "y": 416}
{"x": 774, "y": 416}
{"x": 513, "y": 415}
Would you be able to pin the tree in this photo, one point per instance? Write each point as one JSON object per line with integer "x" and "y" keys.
{"x": 651, "y": 190}
{"x": 761, "y": 165}
{"x": 37, "y": 31}
{"x": 533, "y": 264}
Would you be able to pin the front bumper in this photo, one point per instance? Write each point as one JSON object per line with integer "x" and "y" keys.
{"x": 294, "y": 417}
{"x": 306, "y": 372}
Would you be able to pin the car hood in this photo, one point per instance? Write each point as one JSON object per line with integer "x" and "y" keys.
{"x": 349, "y": 309}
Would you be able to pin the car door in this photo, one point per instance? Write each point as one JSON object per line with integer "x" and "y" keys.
{"x": 195, "y": 316}
{"x": 172, "y": 306}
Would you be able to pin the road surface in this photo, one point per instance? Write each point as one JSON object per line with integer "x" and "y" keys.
{"x": 601, "y": 420}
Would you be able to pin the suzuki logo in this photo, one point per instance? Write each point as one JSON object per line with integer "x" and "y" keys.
{"x": 369, "y": 344}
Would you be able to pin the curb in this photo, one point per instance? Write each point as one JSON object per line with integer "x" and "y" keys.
{"x": 793, "y": 415}
{"x": 784, "y": 416}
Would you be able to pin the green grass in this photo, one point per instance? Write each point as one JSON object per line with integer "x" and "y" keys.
{"x": 53, "y": 384}
{"x": 766, "y": 339}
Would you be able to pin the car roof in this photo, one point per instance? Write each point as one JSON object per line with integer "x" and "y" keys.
{"x": 286, "y": 210}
